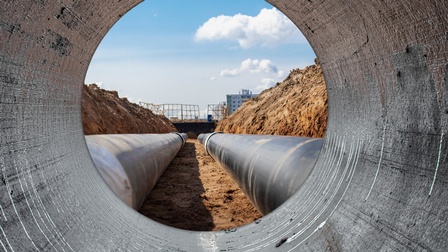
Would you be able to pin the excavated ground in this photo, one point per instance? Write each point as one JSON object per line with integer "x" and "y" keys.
{"x": 195, "y": 193}
{"x": 297, "y": 106}
{"x": 103, "y": 112}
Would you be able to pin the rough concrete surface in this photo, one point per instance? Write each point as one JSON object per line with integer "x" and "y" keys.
{"x": 378, "y": 185}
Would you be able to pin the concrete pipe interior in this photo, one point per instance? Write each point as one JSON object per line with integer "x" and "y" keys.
{"x": 379, "y": 183}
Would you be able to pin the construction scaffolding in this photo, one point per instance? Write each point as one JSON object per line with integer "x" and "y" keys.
{"x": 217, "y": 111}
{"x": 174, "y": 112}
{"x": 156, "y": 109}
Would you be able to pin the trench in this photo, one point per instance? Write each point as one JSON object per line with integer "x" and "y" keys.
{"x": 379, "y": 183}
{"x": 195, "y": 193}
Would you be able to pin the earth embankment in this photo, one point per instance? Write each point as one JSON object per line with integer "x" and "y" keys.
{"x": 297, "y": 106}
{"x": 104, "y": 112}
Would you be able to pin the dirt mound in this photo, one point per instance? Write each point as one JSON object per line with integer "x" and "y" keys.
{"x": 297, "y": 107}
{"x": 103, "y": 112}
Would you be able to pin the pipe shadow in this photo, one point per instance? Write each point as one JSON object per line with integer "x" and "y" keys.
{"x": 176, "y": 198}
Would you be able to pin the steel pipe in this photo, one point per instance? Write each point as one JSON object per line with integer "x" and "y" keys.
{"x": 268, "y": 169}
{"x": 131, "y": 164}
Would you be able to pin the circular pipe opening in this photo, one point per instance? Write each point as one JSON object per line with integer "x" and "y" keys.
{"x": 386, "y": 84}
{"x": 265, "y": 15}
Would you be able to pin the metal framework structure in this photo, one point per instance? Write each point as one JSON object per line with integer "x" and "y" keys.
{"x": 174, "y": 112}
{"x": 156, "y": 109}
{"x": 218, "y": 111}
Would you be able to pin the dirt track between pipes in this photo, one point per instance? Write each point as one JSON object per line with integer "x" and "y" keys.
{"x": 195, "y": 193}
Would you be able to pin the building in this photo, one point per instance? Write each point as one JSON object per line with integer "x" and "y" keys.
{"x": 234, "y": 101}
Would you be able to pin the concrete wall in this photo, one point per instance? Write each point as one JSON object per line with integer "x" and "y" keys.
{"x": 379, "y": 184}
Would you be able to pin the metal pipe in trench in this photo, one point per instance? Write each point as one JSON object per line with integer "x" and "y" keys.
{"x": 131, "y": 164}
{"x": 268, "y": 169}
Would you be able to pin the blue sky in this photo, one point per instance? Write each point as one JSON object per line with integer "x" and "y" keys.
{"x": 196, "y": 52}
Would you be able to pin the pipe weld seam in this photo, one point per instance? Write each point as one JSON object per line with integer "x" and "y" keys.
{"x": 207, "y": 139}
{"x": 181, "y": 137}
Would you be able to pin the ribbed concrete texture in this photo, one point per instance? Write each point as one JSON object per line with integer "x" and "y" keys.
{"x": 380, "y": 182}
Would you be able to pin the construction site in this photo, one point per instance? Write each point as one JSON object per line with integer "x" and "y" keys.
{"x": 355, "y": 161}
{"x": 195, "y": 192}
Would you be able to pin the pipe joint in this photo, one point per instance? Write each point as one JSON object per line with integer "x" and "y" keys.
{"x": 207, "y": 139}
{"x": 183, "y": 136}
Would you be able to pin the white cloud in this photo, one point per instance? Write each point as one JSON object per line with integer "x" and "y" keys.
{"x": 253, "y": 66}
{"x": 230, "y": 73}
{"x": 257, "y": 66}
{"x": 268, "y": 29}
{"x": 280, "y": 73}
{"x": 212, "y": 78}
{"x": 265, "y": 84}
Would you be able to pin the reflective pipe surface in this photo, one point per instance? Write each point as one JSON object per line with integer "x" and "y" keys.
{"x": 268, "y": 169}
{"x": 131, "y": 164}
{"x": 183, "y": 137}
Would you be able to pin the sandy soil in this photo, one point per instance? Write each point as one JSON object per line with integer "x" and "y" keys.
{"x": 104, "y": 112}
{"x": 297, "y": 107}
{"x": 195, "y": 193}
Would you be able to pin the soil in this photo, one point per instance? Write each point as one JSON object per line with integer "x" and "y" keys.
{"x": 297, "y": 106}
{"x": 195, "y": 193}
{"x": 103, "y": 112}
